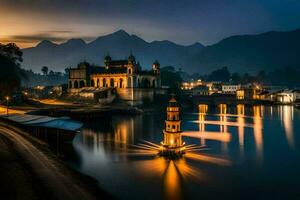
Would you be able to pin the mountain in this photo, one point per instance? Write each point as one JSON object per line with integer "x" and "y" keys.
{"x": 250, "y": 53}
{"x": 242, "y": 53}
{"x": 118, "y": 44}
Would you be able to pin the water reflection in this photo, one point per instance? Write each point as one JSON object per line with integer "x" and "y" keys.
{"x": 223, "y": 125}
{"x": 228, "y": 136}
{"x": 172, "y": 183}
{"x": 258, "y": 134}
{"x": 203, "y": 108}
{"x": 241, "y": 125}
{"x": 287, "y": 117}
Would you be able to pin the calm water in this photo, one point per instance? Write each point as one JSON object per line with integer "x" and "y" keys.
{"x": 250, "y": 153}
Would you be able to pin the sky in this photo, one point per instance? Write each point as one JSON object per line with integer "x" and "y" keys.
{"x": 26, "y": 22}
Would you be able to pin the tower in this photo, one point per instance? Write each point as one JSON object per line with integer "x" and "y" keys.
{"x": 172, "y": 143}
{"x": 131, "y": 64}
{"x": 156, "y": 67}
{"x": 107, "y": 61}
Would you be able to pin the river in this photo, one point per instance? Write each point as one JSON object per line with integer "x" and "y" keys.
{"x": 246, "y": 152}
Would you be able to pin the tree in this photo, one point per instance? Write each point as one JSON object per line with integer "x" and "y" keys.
{"x": 170, "y": 77}
{"x": 261, "y": 76}
{"x": 67, "y": 70}
{"x": 247, "y": 78}
{"x": 235, "y": 78}
{"x": 10, "y": 72}
{"x": 220, "y": 75}
{"x": 45, "y": 70}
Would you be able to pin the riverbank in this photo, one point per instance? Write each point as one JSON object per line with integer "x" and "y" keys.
{"x": 29, "y": 170}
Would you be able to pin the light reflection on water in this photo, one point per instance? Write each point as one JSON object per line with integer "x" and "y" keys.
{"x": 246, "y": 149}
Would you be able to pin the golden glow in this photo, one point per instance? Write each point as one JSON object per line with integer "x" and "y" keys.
{"x": 287, "y": 119}
{"x": 222, "y": 137}
{"x": 172, "y": 133}
{"x": 122, "y": 135}
{"x": 3, "y": 110}
{"x": 208, "y": 159}
{"x": 172, "y": 183}
{"x": 53, "y": 102}
{"x": 223, "y": 108}
{"x": 191, "y": 85}
{"x": 203, "y": 108}
{"x": 223, "y": 125}
{"x": 240, "y": 94}
{"x": 258, "y": 135}
{"x": 241, "y": 125}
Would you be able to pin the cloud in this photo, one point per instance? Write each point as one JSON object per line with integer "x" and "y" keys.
{"x": 56, "y": 36}
{"x": 59, "y": 32}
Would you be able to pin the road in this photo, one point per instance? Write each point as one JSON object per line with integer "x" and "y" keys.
{"x": 60, "y": 183}
{"x": 3, "y": 111}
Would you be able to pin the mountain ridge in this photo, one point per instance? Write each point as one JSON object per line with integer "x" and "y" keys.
{"x": 247, "y": 52}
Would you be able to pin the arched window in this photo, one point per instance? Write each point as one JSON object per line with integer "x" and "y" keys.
{"x": 70, "y": 84}
{"x": 76, "y": 84}
{"x": 146, "y": 83}
{"x": 82, "y": 84}
{"x": 92, "y": 83}
{"x": 173, "y": 126}
{"x": 153, "y": 83}
{"x": 139, "y": 83}
{"x": 112, "y": 83}
{"x": 121, "y": 83}
{"x": 129, "y": 82}
{"x": 129, "y": 71}
{"x": 104, "y": 82}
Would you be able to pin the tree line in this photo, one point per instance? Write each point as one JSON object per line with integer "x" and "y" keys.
{"x": 285, "y": 76}
{"x": 11, "y": 73}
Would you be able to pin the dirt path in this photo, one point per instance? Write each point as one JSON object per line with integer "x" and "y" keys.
{"x": 58, "y": 182}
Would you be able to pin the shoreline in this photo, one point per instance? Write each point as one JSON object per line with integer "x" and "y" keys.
{"x": 33, "y": 160}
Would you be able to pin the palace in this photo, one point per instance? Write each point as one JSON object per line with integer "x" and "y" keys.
{"x": 126, "y": 76}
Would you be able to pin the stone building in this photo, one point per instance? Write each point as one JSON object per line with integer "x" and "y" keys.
{"x": 127, "y": 76}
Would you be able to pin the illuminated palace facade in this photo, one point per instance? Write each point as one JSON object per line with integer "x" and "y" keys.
{"x": 126, "y": 76}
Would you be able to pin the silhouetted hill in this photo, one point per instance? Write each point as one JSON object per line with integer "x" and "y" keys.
{"x": 250, "y": 53}
{"x": 118, "y": 44}
{"x": 244, "y": 53}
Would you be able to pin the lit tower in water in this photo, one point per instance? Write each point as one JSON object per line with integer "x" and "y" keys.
{"x": 172, "y": 144}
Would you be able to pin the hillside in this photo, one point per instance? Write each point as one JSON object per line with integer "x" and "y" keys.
{"x": 118, "y": 45}
{"x": 243, "y": 53}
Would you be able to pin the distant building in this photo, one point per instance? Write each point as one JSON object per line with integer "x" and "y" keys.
{"x": 230, "y": 88}
{"x": 190, "y": 85}
{"x": 200, "y": 90}
{"x": 287, "y": 96}
{"x": 127, "y": 76}
{"x": 249, "y": 93}
{"x": 214, "y": 87}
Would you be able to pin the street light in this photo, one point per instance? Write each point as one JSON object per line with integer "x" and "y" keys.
{"x": 7, "y": 100}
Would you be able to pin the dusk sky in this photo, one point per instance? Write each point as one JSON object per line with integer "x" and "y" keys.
{"x": 26, "y": 22}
